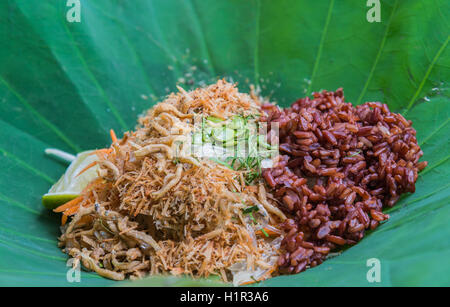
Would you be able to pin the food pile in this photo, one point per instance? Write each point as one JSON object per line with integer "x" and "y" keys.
{"x": 339, "y": 166}
{"x": 155, "y": 210}
{"x": 158, "y": 208}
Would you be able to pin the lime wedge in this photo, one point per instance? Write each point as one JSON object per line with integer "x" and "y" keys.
{"x": 69, "y": 186}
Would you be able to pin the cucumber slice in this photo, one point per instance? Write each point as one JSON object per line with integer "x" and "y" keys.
{"x": 197, "y": 138}
{"x": 262, "y": 142}
{"x": 207, "y": 132}
{"x": 223, "y": 135}
{"x": 237, "y": 123}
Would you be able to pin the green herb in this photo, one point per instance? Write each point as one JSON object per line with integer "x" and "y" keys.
{"x": 254, "y": 279}
{"x": 221, "y": 163}
{"x": 354, "y": 154}
{"x": 264, "y": 232}
{"x": 250, "y": 209}
{"x": 251, "y": 176}
{"x": 233, "y": 134}
{"x": 263, "y": 143}
{"x": 207, "y": 134}
{"x": 251, "y": 116}
{"x": 251, "y": 164}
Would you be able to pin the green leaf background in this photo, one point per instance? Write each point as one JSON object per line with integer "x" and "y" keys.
{"x": 66, "y": 84}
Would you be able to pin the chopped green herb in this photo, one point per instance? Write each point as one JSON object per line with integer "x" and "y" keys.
{"x": 354, "y": 154}
{"x": 264, "y": 232}
{"x": 251, "y": 176}
{"x": 250, "y": 209}
{"x": 236, "y": 136}
{"x": 221, "y": 163}
{"x": 254, "y": 279}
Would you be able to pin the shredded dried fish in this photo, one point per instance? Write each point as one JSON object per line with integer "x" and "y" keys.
{"x": 163, "y": 211}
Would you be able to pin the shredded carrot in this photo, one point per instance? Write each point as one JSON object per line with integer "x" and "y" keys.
{"x": 87, "y": 167}
{"x": 263, "y": 277}
{"x": 69, "y": 204}
{"x": 127, "y": 230}
{"x": 248, "y": 283}
{"x": 113, "y": 136}
{"x": 251, "y": 189}
{"x": 72, "y": 207}
{"x": 101, "y": 153}
{"x": 72, "y": 211}
{"x": 271, "y": 231}
{"x": 63, "y": 219}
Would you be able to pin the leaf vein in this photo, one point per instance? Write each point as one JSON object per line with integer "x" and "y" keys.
{"x": 41, "y": 118}
{"x": 434, "y": 132}
{"x": 322, "y": 42}
{"x": 95, "y": 81}
{"x": 27, "y": 166}
{"x": 256, "y": 50}
{"x": 428, "y": 169}
{"x": 37, "y": 253}
{"x": 203, "y": 38}
{"x": 17, "y": 204}
{"x": 427, "y": 74}
{"x": 28, "y": 236}
{"x": 380, "y": 51}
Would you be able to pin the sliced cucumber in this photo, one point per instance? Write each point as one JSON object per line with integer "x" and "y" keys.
{"x": 207, "y": 132}
{"x": 263, "y": 143}
{"x": 223, "y": 135}
{"x": 237, "y": 123}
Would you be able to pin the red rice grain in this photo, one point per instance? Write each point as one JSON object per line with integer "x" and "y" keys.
{"x": 339, "y": 165}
